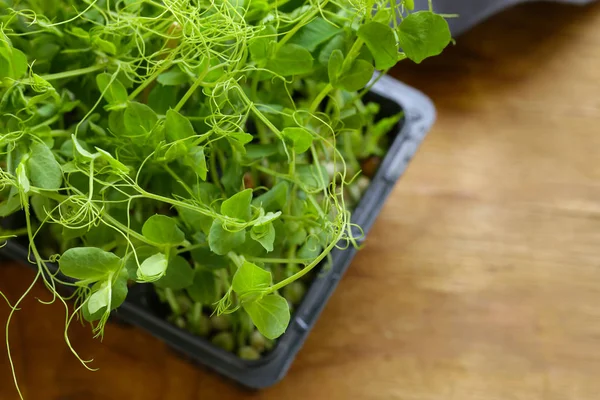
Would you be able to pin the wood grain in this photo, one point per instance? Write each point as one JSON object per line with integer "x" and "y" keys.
{"x": 481, "y": 278}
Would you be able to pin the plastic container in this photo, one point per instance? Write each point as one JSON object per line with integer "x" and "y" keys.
{"x": 143, "y": 310}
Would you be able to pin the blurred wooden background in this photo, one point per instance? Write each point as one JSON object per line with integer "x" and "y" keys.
{"x": 481, "y": 278}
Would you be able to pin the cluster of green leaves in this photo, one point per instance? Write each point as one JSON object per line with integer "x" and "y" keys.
{"x": 203, "y": 146}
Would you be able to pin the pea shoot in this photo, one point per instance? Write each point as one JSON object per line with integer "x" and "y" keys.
{"x": 205, "y": 147}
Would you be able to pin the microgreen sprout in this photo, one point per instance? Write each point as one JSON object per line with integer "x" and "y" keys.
{"x": 206, "y": 147}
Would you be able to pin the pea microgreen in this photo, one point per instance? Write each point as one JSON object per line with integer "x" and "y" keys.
{"x": 205, "y": 147}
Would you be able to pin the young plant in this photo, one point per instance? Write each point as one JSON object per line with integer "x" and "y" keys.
{"x": 206, "y": 147}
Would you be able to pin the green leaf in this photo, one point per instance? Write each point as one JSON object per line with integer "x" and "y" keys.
{"x": 13, "y": 63}
{"x": 310, "y": 176}
{"x": 232, "y": 177}
{"x": 238, "y": 205}
{"x": 357, "y": 77}
{"x": 261, "y": 47}
{"x": 409, "y": 4}
{"x": 88, "y": 263}
{"x": 179, "y": 275}
{"x": 162, "y": 98}
{"x": 222, "y": 241}
{"x": 239, "y": 140}
{"x": 131, "y": 265}
{"x": 383, "y": 15}
{"x": 177, "y": 126}
{"x": 118, "y": 294}
{"x": 270, "y": 314}
{"x": 41, "y": 206}
{"x": 203, "y": 288}
{"x": 44, "y": 170}
{"x": 161, "y": 229}
{"x": 377, "y": 131}
{"x": 99, "y": 236}
{"x": 250, "y": 278}
{"x": 265, "y": 235}
{"x": 423, "y": 34}
{"x": 78, "y": 32}
{"x": 311, "y": 35}
{"x": 10, "y": 205}
{"x": 152, "y": 268}
{"x": 174, "y": 77}
{"x": 334, "y": 67}
{"x": 22, "y": 178}
{"x": 294, "y": 234}
{"x": 176, "y": 151}
{"x": 291, "y": 59}
{"x": 207, "y": 259}
{"x": 300, "y": 137}
{"x": 256, "y": 151}
{"x": 72, "y": 233}
{"x": 381, "y": 41}
{"x": 268, "y": 217}
{"x": 119, "y": 291}
{"x": 114, "y": 92}
{"x": 117, "y": 165}
{"x": 197, "y": 161}
{"x": 139, "y": 119}
{"x": 132, "y": 5}
{"x": 80, "y": 148}
{"x": 99, "y": 299}
{"x": 104, "y": 45}
{"x": 311, "y": 249}
{"x": 207, "y": 192}
{"x": 274, "y": 199}
{"x": 336, "y": 43}
{"x": 195, "y": 220}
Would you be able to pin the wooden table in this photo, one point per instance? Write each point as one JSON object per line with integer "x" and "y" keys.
{"x": 481, "y": 278}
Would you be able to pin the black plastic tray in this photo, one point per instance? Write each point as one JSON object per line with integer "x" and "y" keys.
{"x": 139, "y": 310}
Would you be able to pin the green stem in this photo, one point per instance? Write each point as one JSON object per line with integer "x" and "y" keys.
{"x": 291, "y": 255}
{"x": 178, "y": 180}
{"x": 274, "y": 173}
{"x": 147, "y": 82}
{"x": 48, "y": 122}
{"x": 191, "y": 90}
{"x": 190, "y": 248}
{"x": 237, "y": 260}
{"x": 173, "y": 303}
{"x": 75, "y": 72}
{"x": 16, "y": 232}
{"x": 324, "y": 92}
{"x": 60, "y": 133}
{"x": 306, "y": 269}
{"x": 352, "y": 54}
{"x": 307, "y": 18}
{"x": 213, "y": 170}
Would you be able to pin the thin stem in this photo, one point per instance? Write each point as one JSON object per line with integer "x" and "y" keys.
{"x": 178, "y": 180}
{"x": 307, "y": 18}
{"x": 172, "y": 300}
{"x": 72, "y": 73}
{"x": 237, "y": 260}
{"x": 306, "y": 269}
{"x": 192, "y": 89}
{"x": 214, "y": 172}
{"x": 324, "y": 92}
{"x": 190, "y": 248}
{"x": 147, "y": 82}
{"x": 16, "y": 232}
